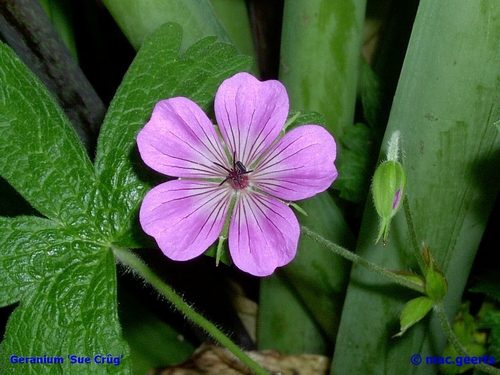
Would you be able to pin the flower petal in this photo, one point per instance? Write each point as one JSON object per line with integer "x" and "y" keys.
{"x": 263, "y": 234}
{"x": 299, "y": 166}
{"x": 179, "y": 140}
{"x": 185, "y": 217}
{"x": 250, "y": 114}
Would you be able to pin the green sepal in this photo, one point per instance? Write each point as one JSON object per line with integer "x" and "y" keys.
{"x": 388, "y": 188}
{"x": 298, "y": 208}
{"x": 436, "y": 285}
{"x": 413, "y": 312}
{"x": 220, "y": 252}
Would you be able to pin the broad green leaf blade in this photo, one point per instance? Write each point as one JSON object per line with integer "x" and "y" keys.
{"x": 24, "y": 259}
{"x": 69, "y": 314}
{"x": 447, "y": 100}
{"x": 158, "y": 72}
{"x": 67, "y": 288}
{"x": 42, "y": 157}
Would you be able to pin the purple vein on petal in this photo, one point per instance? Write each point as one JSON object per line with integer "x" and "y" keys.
{"x": 299, "y": 165}
{"x": 185, "y": 217}
{"x": 180, "y": 140}
{"x": 250, "y": 114}
{"x": 263, "y": 234}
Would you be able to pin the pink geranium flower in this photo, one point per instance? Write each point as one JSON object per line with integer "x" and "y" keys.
{"x": 237, "y": 181}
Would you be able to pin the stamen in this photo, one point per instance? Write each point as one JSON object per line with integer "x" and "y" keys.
{"x": 236, "y": 172}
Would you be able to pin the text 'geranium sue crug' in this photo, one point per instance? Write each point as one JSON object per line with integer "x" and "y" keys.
{"x": 235, "y": 183}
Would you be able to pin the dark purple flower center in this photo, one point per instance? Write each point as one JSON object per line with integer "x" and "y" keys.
{"x": 237, "y": 176}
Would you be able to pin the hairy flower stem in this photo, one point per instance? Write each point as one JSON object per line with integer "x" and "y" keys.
{"x": 438, "y": 306}
{"x": 359, "y": 260}
{"x": 413, "y": 235}
{"x": 132, "y": 261}
{"x": 453, "y": 340}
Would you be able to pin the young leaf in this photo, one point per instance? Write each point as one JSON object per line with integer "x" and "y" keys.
{"x": 413, "y": 312}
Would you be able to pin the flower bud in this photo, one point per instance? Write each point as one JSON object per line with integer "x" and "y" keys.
{"x": 389, "y": 187}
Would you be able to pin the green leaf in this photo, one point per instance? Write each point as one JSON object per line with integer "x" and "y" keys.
{"x": 38, "y": 139}
{"x": 158, "y": 72}
{"x": 413, "y": 312}
{"x": 447, "y": 98}
{"x": 436, "y": 285}
{"x": 69, "y": 314}
{"x": 235, "y": 18}
{"x": 304, "y": 118}
{"x": 370, "y": 92}
{"x": 59, "y": 268}
{"x": 24, "y": 259}
{"x": 492, "y": 321}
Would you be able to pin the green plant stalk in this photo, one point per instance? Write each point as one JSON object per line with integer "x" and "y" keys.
{"x": 130, "y": 260}
{"x": 453, "y": 339}
{"x": 361, "y": 261}
{"x": 138, "y": 19}
{"x": 412, "y": 234}
{"x": 320, "y": 54}
{"x": 59, "y": 13}
{"x": 320, "y": 44}
{"x": 234, "y": 16}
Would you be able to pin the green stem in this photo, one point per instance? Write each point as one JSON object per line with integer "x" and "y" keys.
{"x": 132, "y": 261}
{"x": 453, "y": 340}
{"x": 438, "y": 307}
{"x": 401, "y": 280}
{"x": 413, "y": 235}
